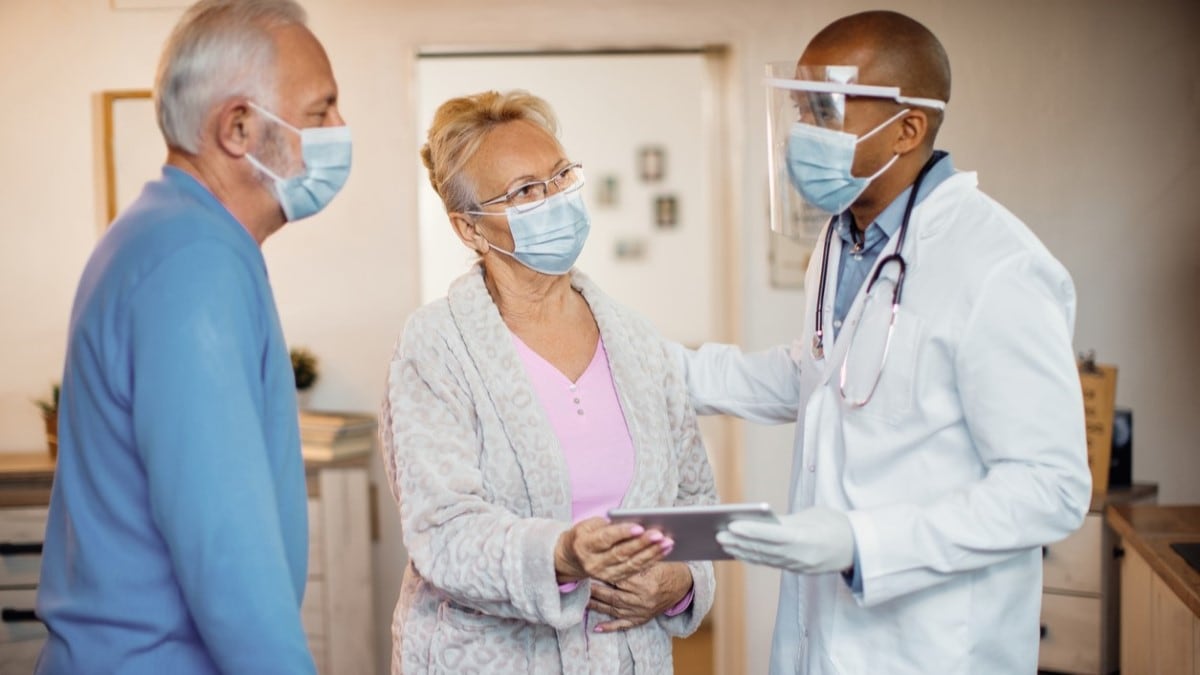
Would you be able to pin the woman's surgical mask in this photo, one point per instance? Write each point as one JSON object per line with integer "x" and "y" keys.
{"x": 326, "y": 152}
{"x": 549, "y": 238}
{"x": 820, "y": 161}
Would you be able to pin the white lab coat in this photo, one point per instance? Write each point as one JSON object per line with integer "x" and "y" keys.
{"x": 970, "y": 456}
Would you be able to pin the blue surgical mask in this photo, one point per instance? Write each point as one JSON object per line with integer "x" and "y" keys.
{"x": 820, "y": 162}
{"x": 326, "y": 152}
{"x": 549, "y": 238}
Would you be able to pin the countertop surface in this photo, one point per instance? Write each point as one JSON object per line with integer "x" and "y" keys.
{"x": 26, "y": 477}
{"x": 1150, "y": 530}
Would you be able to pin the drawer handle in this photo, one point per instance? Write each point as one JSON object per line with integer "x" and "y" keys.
{"x": 20, "y": 548}
{"x": 1118, "y": 552}
{"x": 1045, "y": 551}
{"x": 1043, "y": 632}
{"x": 10, "y": 615}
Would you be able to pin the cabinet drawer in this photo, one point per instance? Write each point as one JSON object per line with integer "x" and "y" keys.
{"x": 1070, "y": 633}
{"x": 21, "y": 533}
{"x": 1074, "y": 564}
{"x": 16, "y": 622}
{"x": 18, "y": 658}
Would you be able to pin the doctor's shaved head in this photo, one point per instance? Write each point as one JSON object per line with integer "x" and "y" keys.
{"x": 890, "y": 49}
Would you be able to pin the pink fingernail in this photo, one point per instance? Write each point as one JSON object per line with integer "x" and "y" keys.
{"x": 668, "y": 543}
{"x": 598, "y": 629}
{"x": 636, "y": 530}
{"x": 655, "y": 536}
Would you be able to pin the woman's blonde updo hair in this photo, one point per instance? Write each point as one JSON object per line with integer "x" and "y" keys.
{"x": 459, "y": 126}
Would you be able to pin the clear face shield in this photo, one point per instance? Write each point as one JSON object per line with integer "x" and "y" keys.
{"x": 791, "y": 101}
{"x": 809, "y": 154}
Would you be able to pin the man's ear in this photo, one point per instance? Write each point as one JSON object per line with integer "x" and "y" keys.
{"x": 914, "y": 126}
{"x": 233, "y": 127}
{"x": 468, "y": 233}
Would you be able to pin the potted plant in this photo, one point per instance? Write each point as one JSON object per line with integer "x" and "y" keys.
{"x": 49, "y": 409}
{"x": 304, "y": 368}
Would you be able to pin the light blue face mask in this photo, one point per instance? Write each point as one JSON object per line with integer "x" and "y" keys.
{"x": 820, "y": 161}
{"x": 549, "y": 238}
{"x": 326, "y": 152}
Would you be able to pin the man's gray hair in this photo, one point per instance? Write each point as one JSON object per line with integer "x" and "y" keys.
{"x": 218, "y": 50}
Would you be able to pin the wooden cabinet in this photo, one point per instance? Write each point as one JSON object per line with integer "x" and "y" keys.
{"x": 1081, "y": 596}
{"x": 1159, "y": 635}
{"x": 24, "y": 495}
{"x": 338, "y": 608}
{"x": 1160, "y": 594}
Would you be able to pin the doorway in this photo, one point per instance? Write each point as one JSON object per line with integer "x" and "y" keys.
{"x": 649, "y": 128}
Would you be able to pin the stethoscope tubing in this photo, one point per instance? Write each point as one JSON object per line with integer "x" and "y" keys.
{"x": 818, "y": 346}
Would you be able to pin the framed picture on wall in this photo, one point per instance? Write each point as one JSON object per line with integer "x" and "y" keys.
{"x": 666, "y": 212}
{"x": 652, "y": 163}
{"x": 132, "y": 147}
{"x": 608, "y": 192}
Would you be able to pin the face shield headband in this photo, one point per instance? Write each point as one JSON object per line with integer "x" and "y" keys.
{"x": 853, "y": 89}
{"x": 805, "y": 113}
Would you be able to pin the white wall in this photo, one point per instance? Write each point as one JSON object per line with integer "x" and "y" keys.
{"x": 1082, "y": 116}
{"x": 606, "y": 138}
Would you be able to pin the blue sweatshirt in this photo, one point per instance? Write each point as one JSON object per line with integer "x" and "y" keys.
{"x": 177, "y": 539}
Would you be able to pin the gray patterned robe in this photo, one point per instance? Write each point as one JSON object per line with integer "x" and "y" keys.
{"x": 484, "y": 493}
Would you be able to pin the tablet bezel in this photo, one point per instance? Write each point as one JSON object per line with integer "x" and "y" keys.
{"x": 694, "y": 528}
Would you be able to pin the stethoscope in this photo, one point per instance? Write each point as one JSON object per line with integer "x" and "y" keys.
{"x": 818, "y": 344}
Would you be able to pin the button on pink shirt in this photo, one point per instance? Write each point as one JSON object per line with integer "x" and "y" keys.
{"x": 587, "y": 418}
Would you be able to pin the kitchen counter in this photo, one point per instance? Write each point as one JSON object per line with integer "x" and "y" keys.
{"x": 25, "y": 478}
{"x": 1150, "y": 530}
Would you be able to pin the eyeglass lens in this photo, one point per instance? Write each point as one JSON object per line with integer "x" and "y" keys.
{"x": 534, "y": 193}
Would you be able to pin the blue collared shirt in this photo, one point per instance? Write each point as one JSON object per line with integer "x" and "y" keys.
{"x": 856, "y": 265}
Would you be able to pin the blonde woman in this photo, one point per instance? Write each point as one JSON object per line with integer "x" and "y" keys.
{"x": 520, "y": 408}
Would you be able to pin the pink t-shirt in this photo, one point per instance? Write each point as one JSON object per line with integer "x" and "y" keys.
{"x": 587, "y": 418}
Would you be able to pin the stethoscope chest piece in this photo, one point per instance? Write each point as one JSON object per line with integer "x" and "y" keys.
{"x": 818, "y": 346}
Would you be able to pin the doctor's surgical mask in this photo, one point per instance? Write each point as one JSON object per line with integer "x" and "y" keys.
{"x": 819, "y": 164}
{"x": 810, "y": 155}
{"x": 326, "y": 152}
{"x": 548, "y": 232}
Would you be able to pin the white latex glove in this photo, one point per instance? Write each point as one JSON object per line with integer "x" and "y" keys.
{"x": 811, "y": 541}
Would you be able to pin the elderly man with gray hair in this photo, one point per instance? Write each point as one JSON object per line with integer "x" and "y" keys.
{"x": 177, "y": 534}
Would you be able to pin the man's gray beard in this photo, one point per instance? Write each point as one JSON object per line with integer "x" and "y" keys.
{"x": 276, "y": 156}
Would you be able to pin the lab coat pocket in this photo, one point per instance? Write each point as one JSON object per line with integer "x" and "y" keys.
{"x": 925, "y": 632}
{"x": 881, "y": 366}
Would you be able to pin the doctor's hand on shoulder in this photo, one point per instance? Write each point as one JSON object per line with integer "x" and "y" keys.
{"x": 811, "y": 541}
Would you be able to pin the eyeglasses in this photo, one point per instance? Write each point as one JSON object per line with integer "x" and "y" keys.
{"x": 531, "y": 195}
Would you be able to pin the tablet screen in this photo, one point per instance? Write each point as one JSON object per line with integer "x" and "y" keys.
{"x": 694, "y": 528}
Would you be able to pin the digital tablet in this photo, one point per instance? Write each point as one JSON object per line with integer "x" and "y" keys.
{"x": 694, "y": 528}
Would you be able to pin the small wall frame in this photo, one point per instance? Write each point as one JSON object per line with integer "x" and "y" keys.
{"x": 132, "y": 147}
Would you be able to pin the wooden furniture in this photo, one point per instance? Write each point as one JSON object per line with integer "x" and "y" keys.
{"x": 337, "y": 609}
{"x": 25, "y": 480}
{"x": 1160, "y": 592}
{"x": 1081, "y": 594}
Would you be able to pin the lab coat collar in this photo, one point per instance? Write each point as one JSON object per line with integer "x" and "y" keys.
{"x": 929, "y": 218}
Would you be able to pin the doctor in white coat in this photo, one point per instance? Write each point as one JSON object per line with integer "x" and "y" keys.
{"x": 939, "y": 420}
